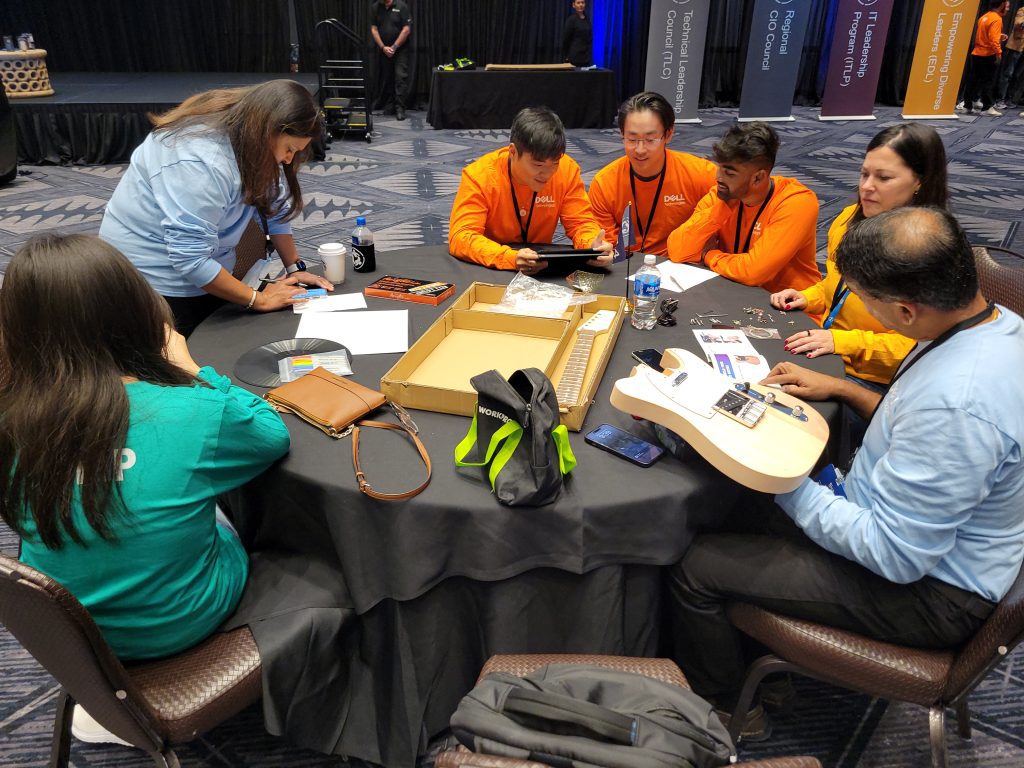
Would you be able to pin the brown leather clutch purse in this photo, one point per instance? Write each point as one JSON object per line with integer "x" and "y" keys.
{"x": 329, "y": 402}
{"x": 336, "y": 406}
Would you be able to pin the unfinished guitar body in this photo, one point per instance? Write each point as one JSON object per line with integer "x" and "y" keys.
{"x": 766, "y": 440}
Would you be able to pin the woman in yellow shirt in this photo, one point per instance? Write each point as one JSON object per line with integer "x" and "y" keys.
{"x": 903, "y": 165}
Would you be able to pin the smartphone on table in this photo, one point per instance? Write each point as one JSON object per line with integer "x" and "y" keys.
{"x": 623, "y": 444}
{"x": 650, "y": 357}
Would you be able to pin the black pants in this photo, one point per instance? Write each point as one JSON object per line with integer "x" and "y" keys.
{"x": 981, "y": 83}
{"x": 190, "y": 311}
{"x": 393, "y": 77}
{"x": 785, "y": 572}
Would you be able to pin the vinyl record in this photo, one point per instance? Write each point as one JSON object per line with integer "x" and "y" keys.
{"x": 259, "y": 366}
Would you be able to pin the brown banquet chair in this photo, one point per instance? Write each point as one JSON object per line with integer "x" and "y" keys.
{"x": 152, "y": 705}
{"x": 1001, "y": 276}
{"x": 935, "y": 679}
{"x": 523, "y": 664}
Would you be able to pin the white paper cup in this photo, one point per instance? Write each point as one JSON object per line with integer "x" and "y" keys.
{"x": 333, "y": 257}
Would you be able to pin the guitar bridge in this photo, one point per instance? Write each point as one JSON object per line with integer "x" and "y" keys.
{"x": 740, "y": 407}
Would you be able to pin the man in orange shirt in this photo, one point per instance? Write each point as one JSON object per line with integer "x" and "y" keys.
{"x": 754, "y": 228}
{"x": 518, "y": 194}
{"x": 662, "y": 185}
{"x": 985, "y": 59}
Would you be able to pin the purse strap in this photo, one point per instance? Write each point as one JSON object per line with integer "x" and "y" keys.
{"x": 364, "y": 485}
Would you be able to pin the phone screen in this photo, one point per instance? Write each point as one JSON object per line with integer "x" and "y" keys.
{"x": 651, "y": 357}
{"x": 621, "y": 443}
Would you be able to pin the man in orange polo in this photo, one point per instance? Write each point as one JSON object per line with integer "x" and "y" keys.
{"x": 754, "y": 228}
{"x": 518, "y": 194}
{"x": 662, "y": 185}
{"x": 985, "y": 59}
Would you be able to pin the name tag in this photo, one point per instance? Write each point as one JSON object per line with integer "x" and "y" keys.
{"x": 832, "y": 478}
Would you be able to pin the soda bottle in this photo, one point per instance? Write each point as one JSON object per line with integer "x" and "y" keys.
{"x": 363, "y": 257}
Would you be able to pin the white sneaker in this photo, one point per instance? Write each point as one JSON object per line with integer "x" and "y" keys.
{"x": 992, "y": 111}
{"x": 85, "y": 728}
{"x": 959, "y": 106}
{"x": 978, "y": 104}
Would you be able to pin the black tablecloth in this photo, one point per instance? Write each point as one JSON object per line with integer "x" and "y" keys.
{"x": 391, "y": 608}
{"x": 480, "y": 99}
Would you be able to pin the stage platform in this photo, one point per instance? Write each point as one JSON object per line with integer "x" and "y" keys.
{"x": 100, "y": 117}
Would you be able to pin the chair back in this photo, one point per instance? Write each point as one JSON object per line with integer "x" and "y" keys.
{"x": 251, "y": 248}
{"x": 1001, "y": 276}
{"x": 59, "y": 633}
{"x": 999, "y": 635}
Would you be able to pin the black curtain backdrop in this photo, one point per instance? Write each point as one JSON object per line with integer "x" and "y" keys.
{"x": 252, "y": 36}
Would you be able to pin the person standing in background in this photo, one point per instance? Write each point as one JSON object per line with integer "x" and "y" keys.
{"x": 578, "y": 37}
{"x": 390, "y": 27}
{"x": 1012, "y": 63}
{"x": 985, "y": 59}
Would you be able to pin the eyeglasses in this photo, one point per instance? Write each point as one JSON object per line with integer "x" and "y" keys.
{"x": 650, "y": 141}
{"x": 668, "y": 308}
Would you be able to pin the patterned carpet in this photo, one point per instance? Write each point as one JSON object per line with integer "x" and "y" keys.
{"x": 404, "y": 182}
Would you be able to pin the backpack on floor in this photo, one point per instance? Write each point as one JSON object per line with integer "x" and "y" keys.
{"x": 578, "y": 716}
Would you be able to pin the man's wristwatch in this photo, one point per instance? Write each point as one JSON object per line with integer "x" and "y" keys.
{"x": 298, "y": 266}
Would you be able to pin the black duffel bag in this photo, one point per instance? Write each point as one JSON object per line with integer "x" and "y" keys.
{"x": 578, "y": 716}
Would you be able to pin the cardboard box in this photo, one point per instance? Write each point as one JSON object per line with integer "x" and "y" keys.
{"x": 470, "y": 338}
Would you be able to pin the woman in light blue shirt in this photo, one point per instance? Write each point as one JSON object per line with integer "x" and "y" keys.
{"x": 210, "y": 165}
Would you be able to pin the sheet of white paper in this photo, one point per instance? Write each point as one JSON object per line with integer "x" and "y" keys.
{"x": 334, "y": 303}
{"x": 679, "y": 277}
{"x": 732, "y": 354}
{"x": 364, "y": 333}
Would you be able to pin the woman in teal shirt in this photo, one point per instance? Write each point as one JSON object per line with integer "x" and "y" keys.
{"x": 114, "y": 445}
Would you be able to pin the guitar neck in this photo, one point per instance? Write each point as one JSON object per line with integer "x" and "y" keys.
{"x": 571, "y": 383}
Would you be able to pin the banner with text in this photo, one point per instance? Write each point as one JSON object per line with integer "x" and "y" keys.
{"x": 856, "y": 59}
{"x": 675, "y": 53}
{"x": 940, "y": 54}
{"x": 777, "y": 31}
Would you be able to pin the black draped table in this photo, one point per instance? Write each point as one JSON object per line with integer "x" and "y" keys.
{"x": 479, "y": 99}
{"x": 374, "y": 618}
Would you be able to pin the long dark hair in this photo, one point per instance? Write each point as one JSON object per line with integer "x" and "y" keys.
{"x": 252, "y": 118}
{"x": 920, "y": 147}
{"x": 75, "y": 316}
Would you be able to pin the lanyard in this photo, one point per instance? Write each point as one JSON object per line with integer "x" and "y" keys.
{"x": 523, "y": 231}
{"x": 646, "y": 228}
{"x": 739, "y": 220}
{"x": 838, "y": 299}
{"x": 963, "y": 325}
{"x": 909, "y": 361}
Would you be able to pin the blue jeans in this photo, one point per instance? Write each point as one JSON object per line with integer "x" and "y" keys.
{"x": 1012, "y": 66}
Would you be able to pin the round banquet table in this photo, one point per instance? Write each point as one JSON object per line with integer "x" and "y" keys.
{"x": 373, "y": 618}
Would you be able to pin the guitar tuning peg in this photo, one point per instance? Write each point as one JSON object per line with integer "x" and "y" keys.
{"x": 769, "y": 397}
{"x": 797, "y": 411}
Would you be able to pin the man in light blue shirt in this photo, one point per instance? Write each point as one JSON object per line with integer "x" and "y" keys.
{"x": 927, "y": 533}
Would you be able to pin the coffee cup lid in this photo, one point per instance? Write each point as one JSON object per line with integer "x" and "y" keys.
{"x": 331, "y": 248}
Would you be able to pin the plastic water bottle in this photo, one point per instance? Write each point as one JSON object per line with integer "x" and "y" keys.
{"x": 363, "y": 257}
{"x": 646, "y": 287}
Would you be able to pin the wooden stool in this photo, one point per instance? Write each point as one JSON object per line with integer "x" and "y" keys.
{"x": 24, "y": 73}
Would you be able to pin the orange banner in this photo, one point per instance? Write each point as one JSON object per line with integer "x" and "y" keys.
{"x": 943, "y": 42}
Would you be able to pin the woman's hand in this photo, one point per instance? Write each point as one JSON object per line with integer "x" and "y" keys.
{"x": 811, "y": 343}
{"x": 176, "y": 351}
{"x": 790, "y": 298}
{"x": 278, "y": 295}
{"x": 308, "y": 278}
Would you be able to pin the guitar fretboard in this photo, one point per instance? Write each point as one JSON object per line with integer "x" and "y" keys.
{"x": 571, "y": 383}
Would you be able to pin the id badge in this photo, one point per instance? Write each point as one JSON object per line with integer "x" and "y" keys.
{"x": 833, "y": 479}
